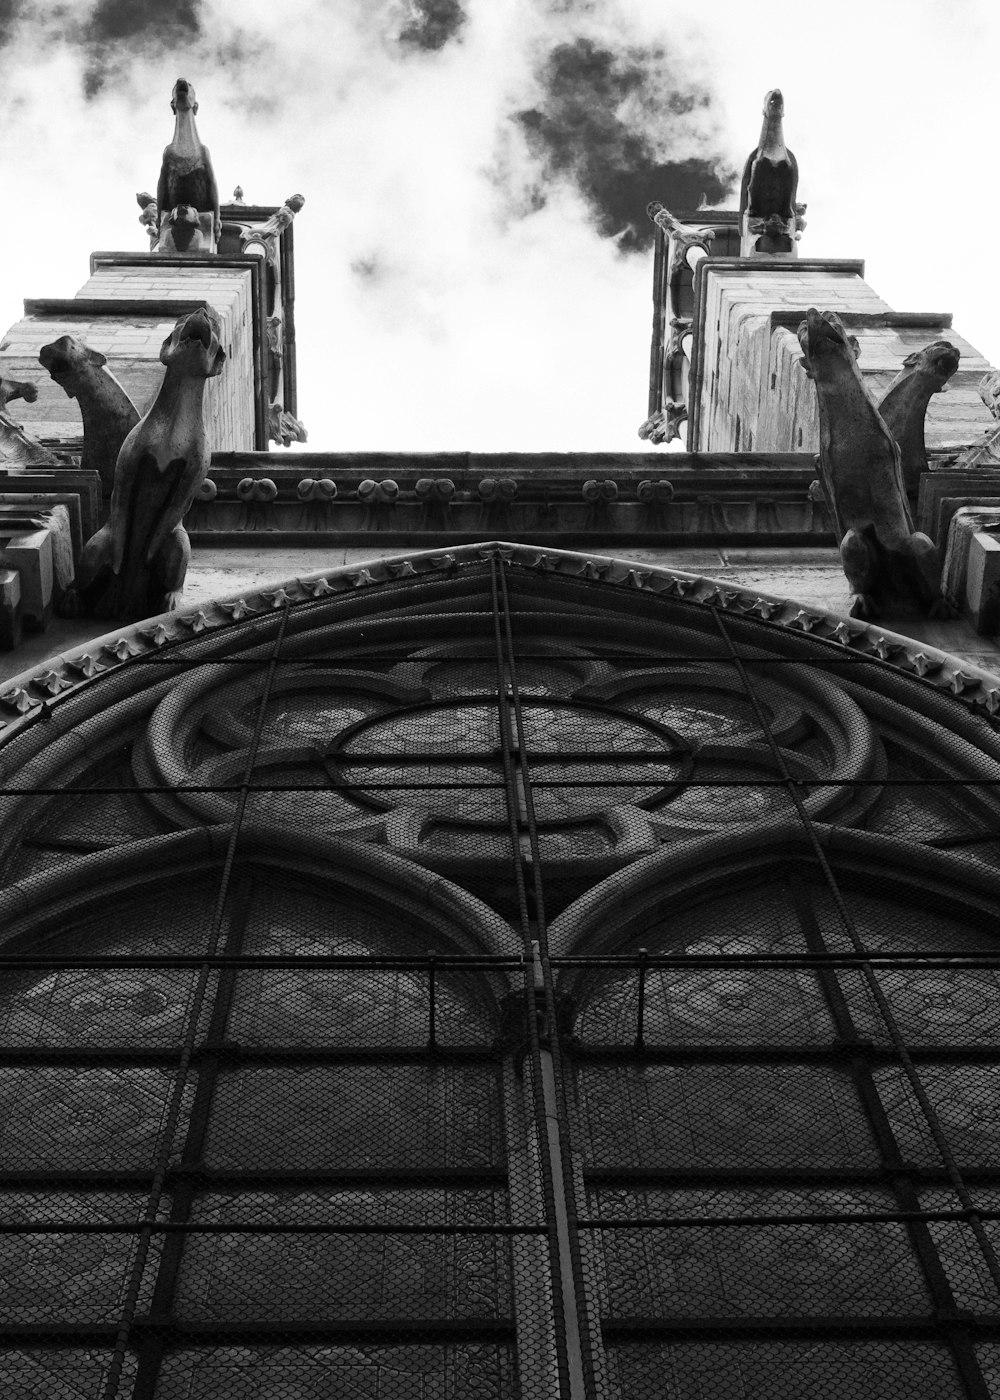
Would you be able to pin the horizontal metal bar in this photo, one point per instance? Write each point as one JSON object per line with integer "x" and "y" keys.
{"x": 83, "y": 1056}
{"x": 717, "y": 1222}
{"x": 461, "y": 962}
{"x": 420, "y": 784}
{"x": 831, "y": 1053}
{"x": 729, "y": 1327}
{"x": 218, "y": 1179}
{"x": 183, "y": 1227}
{"x": 264, "y": 1330}
{"x": 276, "y": 961}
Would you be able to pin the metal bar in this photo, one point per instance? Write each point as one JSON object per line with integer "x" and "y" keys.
{"x": 933, "y": 1267}
{"x": 175, "y": 1102}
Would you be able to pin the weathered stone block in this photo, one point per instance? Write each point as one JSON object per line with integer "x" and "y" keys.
{"x": 31, "y": 555}
{"x": 10, "y": 609}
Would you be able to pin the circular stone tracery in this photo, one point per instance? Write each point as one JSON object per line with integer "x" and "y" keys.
{"x": 575, "y": 752}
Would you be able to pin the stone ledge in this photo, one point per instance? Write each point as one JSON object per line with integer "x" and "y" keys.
{"x": 151, "y": 308}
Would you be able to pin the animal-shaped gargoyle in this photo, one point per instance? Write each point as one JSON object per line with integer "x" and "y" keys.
{"x": 109, "y": 415}
{"x": 904, "y": 404}
{"x": 770, "y": 183}
{"x": 187, "y": 196}
{"x": 134, "y": 566}
{"x": 886, "y": 561}
{"x": 19, "y": 449}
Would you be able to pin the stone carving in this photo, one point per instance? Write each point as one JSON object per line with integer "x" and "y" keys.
{"x": 904, "y": 404}
{"x": 150, "y": 216}
{"x": 886, "y": 561}
{"x": 769, "y": 216}
{"x": 989, "y": 391}
{"x": 665, "y": 425}
{"x": 269, "y": 233}
{"x": 134, "y": 566}
{"x": 683, "y": 237}
{"x": 284, "y": 427}
{"x": 19, "y": 448}
{"x": 686, "y": 246}
{"x": 187, "y": 196}
{"x": 435, "y": 495}
{"x": 109, "y": 415}
{"x": 11, "y": 389}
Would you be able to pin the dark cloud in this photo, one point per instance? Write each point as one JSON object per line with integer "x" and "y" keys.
{"x": 117, "y": 29}
{"x": 141, "y": 20}
{"x": 10, "y": 13}
{"x": 604, "y": 121}
{"x": 433, "y": 24}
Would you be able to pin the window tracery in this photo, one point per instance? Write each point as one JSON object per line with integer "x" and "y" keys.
{"x": 358, "y": 1144}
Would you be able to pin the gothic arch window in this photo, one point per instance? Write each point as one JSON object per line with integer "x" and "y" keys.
{"x": 324, "y": 913}
{"x": 787, "y": 1105}
{"x": 275, "y": 1107}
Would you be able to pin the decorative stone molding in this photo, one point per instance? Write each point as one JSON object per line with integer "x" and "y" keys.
{"x": 977, "y": 689}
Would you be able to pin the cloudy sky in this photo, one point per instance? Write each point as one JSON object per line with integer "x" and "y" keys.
{"x": 473, "y": 262}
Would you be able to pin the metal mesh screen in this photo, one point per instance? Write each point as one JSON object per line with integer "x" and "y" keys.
{"x": 326, "y": 1071}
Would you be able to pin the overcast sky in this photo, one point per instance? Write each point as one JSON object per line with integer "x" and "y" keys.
{"x": 473, "y": 265}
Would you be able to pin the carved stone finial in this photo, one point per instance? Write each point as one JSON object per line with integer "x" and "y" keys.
{"x": 769, "y": 216}
{"x": 904, "y": 404}
{"x": 238, "y": 195}
{"x": 683, "y": 237}
{"x": 134, "y": 566}
{"x": 150, "y": 216}
{"x": 283, "y": 427}
{"x": 664, "y": 426}
{"x": 108, "y": 413}
{"x": 187, "y": 196}
{"x": 989, "y": 391}
{"x": 270, "y": 232}
{"x": 886, "y": 561}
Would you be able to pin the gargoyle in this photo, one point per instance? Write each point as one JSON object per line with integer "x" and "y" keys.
{"x": 770, "y": 183}
{"x": 18, "y": 448}
{"x": 903, "y": 406}
{"x": 109, "y": 415}
{"x": 187, "y": 196}
{"x": 135, "y": 565}
{"x": 886, "y": 561}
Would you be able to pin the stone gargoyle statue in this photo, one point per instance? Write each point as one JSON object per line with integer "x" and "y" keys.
{"x": 903, "y": 406}
{"x": 770, "y": 182}
{"x": 19, "y": 449}
{"x": 187, "y": 196}
{"x": 887, "y": 562}
{"x": 134, "y": 566}
{"x": 109, "y": 415}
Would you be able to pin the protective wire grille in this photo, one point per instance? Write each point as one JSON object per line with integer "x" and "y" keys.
{"x": 277, "y": 1131}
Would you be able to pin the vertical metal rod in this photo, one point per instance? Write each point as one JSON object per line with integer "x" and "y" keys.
{"x": 543, "y": 1078}
{"x": 640, "y": 1038}
{"x": 172, "y": 1115}
{"x": 432, "y": 1009}
{"x": 868, "y": 973}
{"x": 561, "y": 1189}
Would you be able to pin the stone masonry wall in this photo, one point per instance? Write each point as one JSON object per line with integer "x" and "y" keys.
{"x": 753, "y": 394}
{"x": 132, "y": 344}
